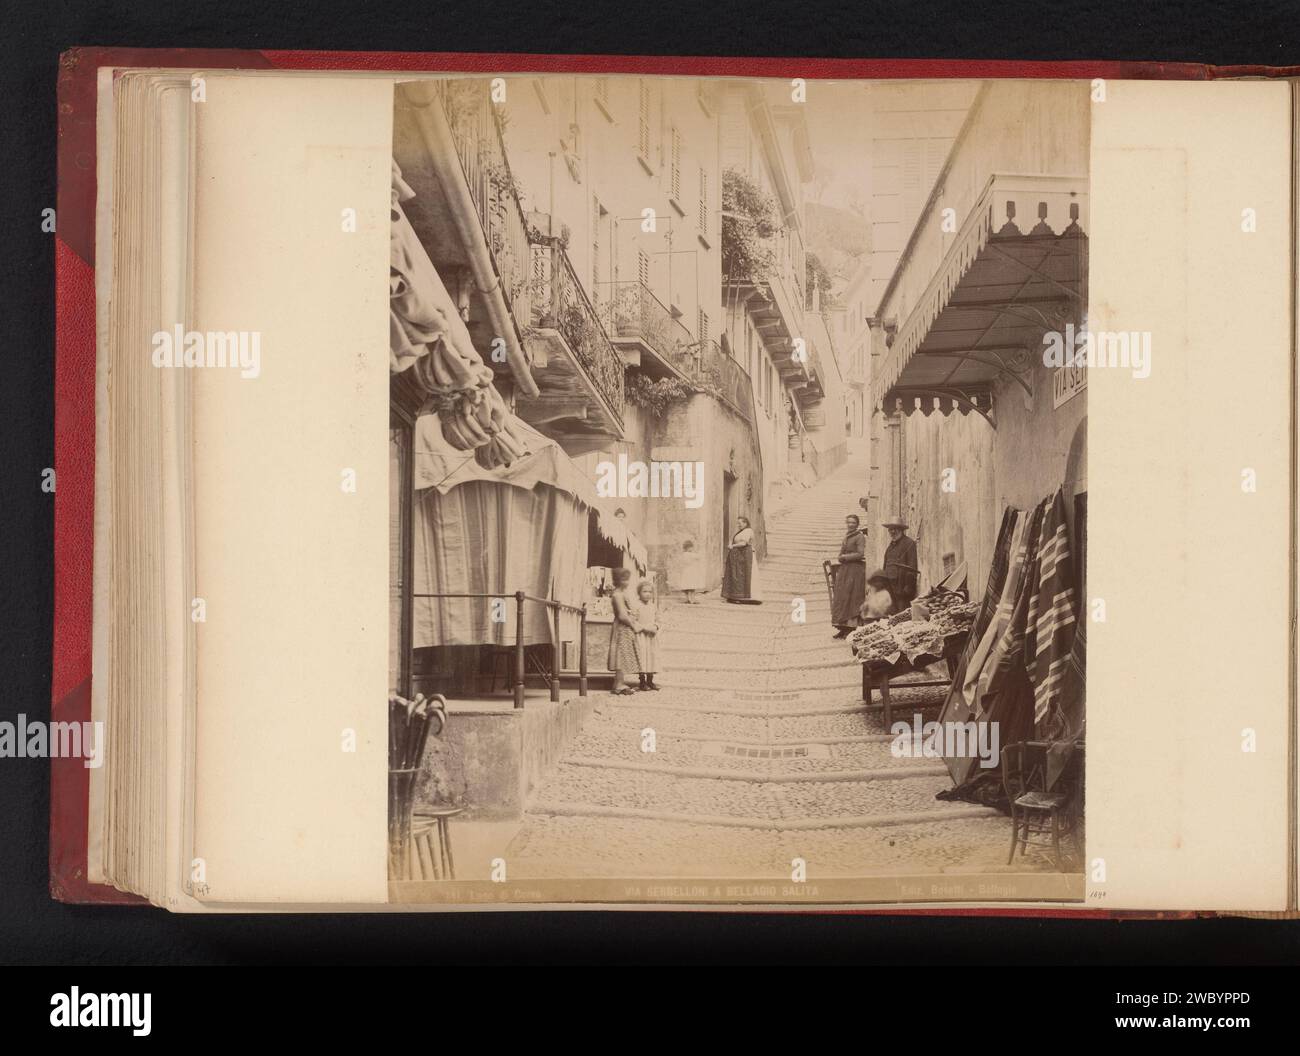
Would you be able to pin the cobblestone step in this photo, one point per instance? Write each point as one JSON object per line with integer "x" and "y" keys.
{"x": 592, "y": 846}
{"x": 764, "y": 750}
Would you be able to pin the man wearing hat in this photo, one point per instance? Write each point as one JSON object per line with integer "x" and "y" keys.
{"x": 900, "y": 562}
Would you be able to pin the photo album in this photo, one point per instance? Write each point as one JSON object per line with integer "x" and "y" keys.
{"x": 604, "y": 482}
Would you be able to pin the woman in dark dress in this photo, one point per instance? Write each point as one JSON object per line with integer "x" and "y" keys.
{"x": 737, "y": 576}
{"x": 850, "y": 578}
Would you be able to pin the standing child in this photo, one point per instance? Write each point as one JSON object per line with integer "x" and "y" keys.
{"x": 689, "y": 573}
{"x": 647, "y": 628}
{"x": 623, "y": 658}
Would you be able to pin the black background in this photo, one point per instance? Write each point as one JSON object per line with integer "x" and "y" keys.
{"x": 34, "y": 929}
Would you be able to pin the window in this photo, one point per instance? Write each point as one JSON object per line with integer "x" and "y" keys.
{"x": 949, "y": 564}
{"x": 643, "y": 268}
{"x": 702, "y": 325}
{"x": 643, "y": 125}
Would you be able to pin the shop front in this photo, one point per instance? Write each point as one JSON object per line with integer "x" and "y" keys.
{"x": 980, "y": 439}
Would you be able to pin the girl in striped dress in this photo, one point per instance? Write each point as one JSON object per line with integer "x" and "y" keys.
{"x": 623, "y": 659}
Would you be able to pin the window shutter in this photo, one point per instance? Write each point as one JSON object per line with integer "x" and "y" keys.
{"x": 595, "y": 249}
{"x": 913, "y": 195}
{"x": 675, "y": 173}
{"x": 703, "y": 217}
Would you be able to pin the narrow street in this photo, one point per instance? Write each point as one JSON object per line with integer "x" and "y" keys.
{"x": 763, "y": 750}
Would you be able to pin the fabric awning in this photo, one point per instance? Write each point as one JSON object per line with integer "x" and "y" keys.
{"x": 423, "y": 320}
{"x": 485, "y": 538}
{"x": 442, "y": 466}
{"x": 616, "y": 532}
{"x": 431, "y": 353}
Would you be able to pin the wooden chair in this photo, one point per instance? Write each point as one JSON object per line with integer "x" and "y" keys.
{"x": 1035, "y": 812}
{"x": 433, "y": 858}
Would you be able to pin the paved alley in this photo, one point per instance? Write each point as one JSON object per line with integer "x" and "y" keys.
{"x": 764, "y": 751}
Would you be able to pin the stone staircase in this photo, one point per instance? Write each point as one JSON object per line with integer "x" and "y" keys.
{"x": 763, "y": 751}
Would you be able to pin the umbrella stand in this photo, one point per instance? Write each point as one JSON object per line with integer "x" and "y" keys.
{"x": 410, "y": 723}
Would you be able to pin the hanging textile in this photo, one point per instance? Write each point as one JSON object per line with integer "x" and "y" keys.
{"x": 428, "y": 339}
{"x": 493, "y": 538}
{"x": 441, "y": 465}
{"x": 1065, "y": 723}
{"x": 1051, "y": 618}
{"x": 1003, "y": 603}
{"x": 1023, "y": 667}
{"x": 1008, "y": 649}
{"x": 422, "y": 318}
{"x": 957, "y": 708}
{"x": 618, "y": 534}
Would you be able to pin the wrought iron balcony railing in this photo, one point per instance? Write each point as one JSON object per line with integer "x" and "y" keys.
{"x": 633, "y": 313}
{"x": 537, "y": 278}
{"x": 476, "y": 130}
{"x": 560, "y": 302}
{"x": 708, "y": 366}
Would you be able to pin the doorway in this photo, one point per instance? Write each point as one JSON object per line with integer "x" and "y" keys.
{"x": 728, "y": 521}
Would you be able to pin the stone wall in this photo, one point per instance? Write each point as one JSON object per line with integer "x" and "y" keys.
{"x": 706, "y": 430}
{"x": 491, "y": 759}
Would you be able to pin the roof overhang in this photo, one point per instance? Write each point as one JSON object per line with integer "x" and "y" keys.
{"x": 1016, "y": 270}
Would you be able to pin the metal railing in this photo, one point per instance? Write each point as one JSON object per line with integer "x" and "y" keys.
{"x": 561, "y": 303}
{"x": 476, "y": 130}
{"x": 556, "y": 607}
{"x": 633, "y": 312}
{"x": 537, "y": 278}
{"x": 706, "y": 364}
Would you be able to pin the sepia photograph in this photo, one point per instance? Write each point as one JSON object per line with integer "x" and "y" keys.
{"x": 813, "y": 490}
{"x": 738, "y": 486}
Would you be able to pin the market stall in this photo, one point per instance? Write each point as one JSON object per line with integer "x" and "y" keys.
{"x": 932, "y": 630}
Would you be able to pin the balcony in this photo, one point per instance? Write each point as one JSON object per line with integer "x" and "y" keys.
{"x": 774, "y": 303}
{"x": 579, "y": 372}
{"x": 512, "y": 285}
{"x": 476, "y": 132}
{"x": 647, "y": 333}
{"x": 809, "y": 390}
{"x": 712, "y": 370}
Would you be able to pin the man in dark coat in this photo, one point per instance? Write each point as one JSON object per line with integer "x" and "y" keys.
{"x": 900, "y": 563}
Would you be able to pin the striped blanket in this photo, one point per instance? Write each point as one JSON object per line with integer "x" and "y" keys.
{"x": 1052, "y": 617}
